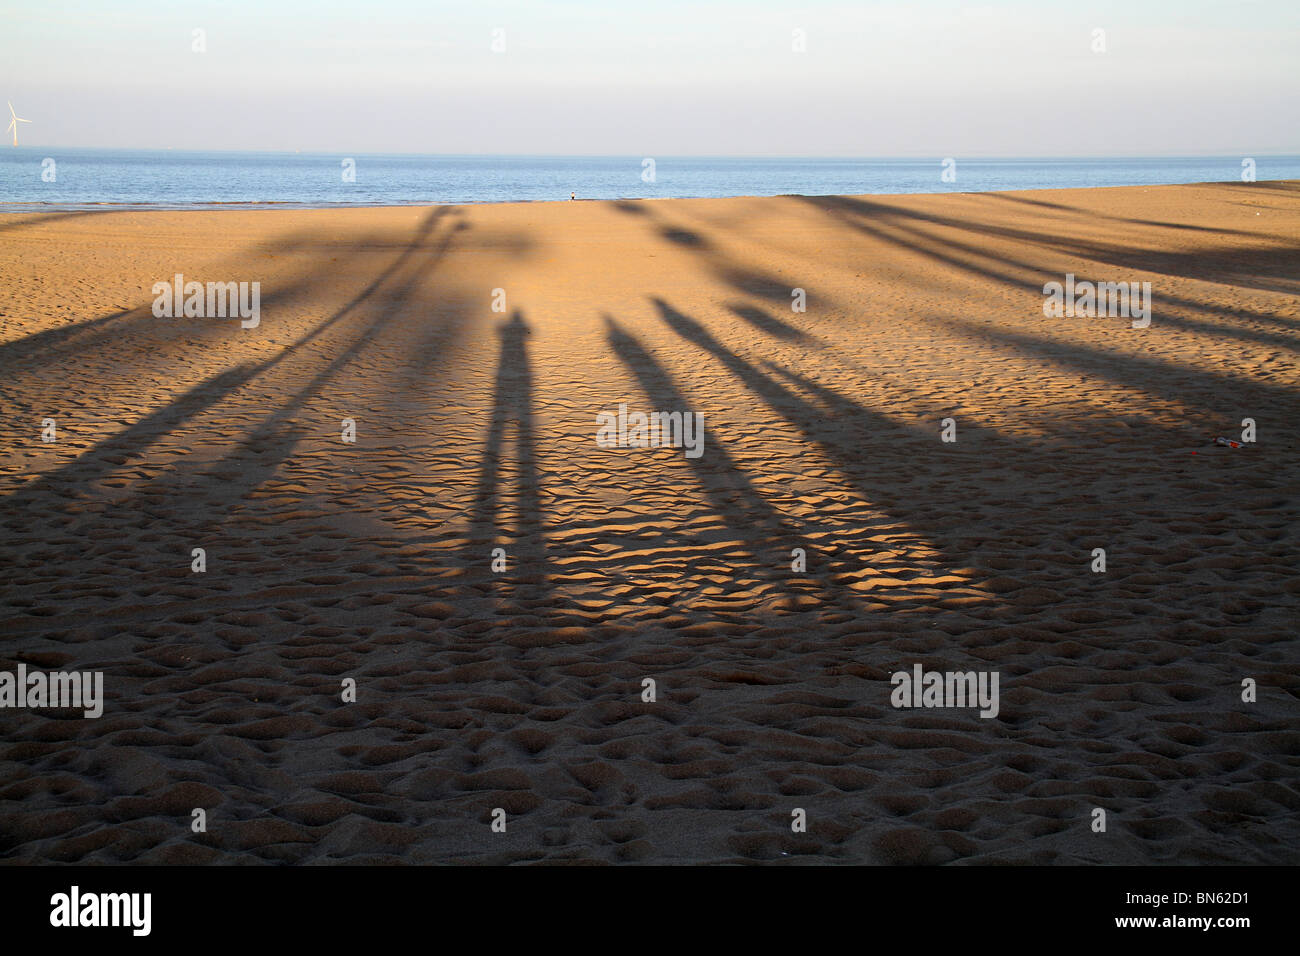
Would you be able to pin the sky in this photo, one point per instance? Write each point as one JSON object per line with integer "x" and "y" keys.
{"x": 667, "y": 77}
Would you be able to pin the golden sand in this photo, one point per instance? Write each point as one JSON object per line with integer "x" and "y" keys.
{"x": 475, "y": 430}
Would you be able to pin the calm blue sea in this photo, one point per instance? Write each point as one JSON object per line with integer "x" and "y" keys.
{"x": 165, "y": 178}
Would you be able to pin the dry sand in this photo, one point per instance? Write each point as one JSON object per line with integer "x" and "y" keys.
{"x": 522, "y": 690}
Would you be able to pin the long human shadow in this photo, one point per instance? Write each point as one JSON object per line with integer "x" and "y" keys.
{"x": 42, "y": 343}
{"x": 108, "y": 455}
{"x": 48, "y": 347}
{"x": 901, "y": 226}
{"x": 527, "y": 572}
{"x": 10, "y": 222}
{"x": 1149, "y": 372}
{"x": 137, "y": 436}
{"x": 241, "y": 470}
{"x": 893, "y": 225}
{"x": 898, "y": 469}
{"x": 884, "y": 212}
{"x": 767, "y": 534}
{"x": 769, "y": 323}
{"x": 1218, "y": 396}
{"x": 98, "y": 461}
{"x": 1211, "y": 391}
{"x": 1208, "y": 389}
{"x": 811, "y": 421}
{"x": 399, "y": 289}
{"x": 264, "y": 447}
{"x": 38, "y": 357}
{"x": 1288, "y": 187}
{"x": 1052, "y": 496}
{"x": 1127, "y": 220}
{"x": 739, "y": 276}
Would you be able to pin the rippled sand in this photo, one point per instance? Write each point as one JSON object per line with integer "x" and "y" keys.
{"x": 521, "y": 690}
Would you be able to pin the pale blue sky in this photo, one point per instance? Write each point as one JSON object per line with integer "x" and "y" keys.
{"x": 665, "y": 77}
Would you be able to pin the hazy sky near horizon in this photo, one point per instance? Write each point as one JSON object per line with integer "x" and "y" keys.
{"x": 670, "y": 77}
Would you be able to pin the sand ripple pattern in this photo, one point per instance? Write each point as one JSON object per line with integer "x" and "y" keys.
{"x": 522, "y": 689}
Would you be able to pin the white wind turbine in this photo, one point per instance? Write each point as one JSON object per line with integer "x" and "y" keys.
{"x": 13, "y": 123}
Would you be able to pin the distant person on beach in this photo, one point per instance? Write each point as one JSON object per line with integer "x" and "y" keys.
{"x": 572, "y": 196}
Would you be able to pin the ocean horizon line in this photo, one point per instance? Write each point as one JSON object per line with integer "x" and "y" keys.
{"x": 21, "y": 207}
{"x": 179, "y": 179}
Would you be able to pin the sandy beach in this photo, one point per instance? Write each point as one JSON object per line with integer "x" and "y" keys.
{"x": 522, "y": 689}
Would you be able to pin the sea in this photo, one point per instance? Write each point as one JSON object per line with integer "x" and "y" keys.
{"x": 42, "y": 177}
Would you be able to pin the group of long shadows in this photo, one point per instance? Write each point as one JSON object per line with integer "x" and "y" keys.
{"x": 77, "y": 514}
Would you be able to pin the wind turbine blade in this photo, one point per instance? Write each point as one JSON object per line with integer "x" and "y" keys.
{"x": 22, "y": 120}
{"x": 11, "y": 126}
